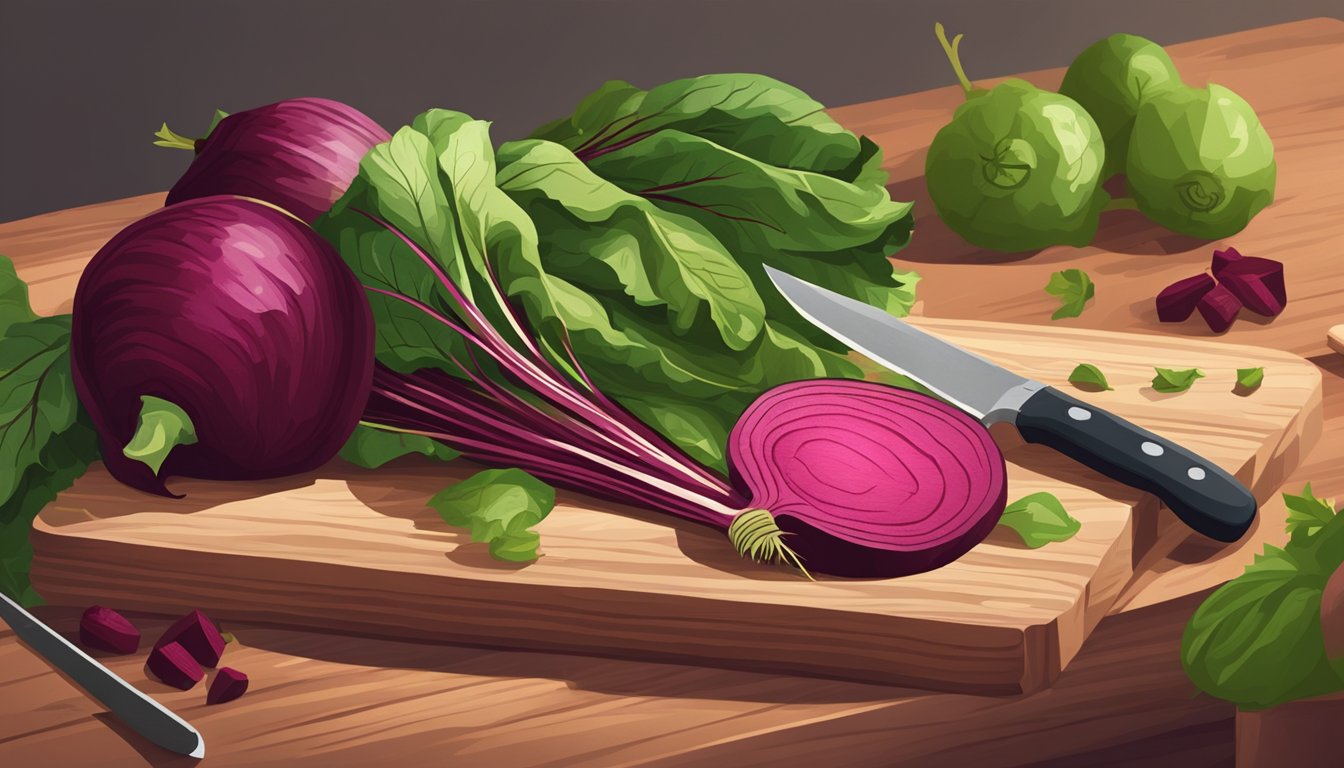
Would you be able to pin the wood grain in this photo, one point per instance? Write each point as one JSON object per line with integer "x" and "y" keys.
{"x": 1123, "y": 701}
{"x": 353, "y": 550}
{"x": 1335, "y": 338}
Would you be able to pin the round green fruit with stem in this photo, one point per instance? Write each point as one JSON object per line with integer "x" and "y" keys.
{"x": 1018, "y": 168}
{"x": 1111, "y": 78}
{"x": 1200, "y": 162}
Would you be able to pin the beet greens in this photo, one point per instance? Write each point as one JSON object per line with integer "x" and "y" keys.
{"x": 539, "y": 316}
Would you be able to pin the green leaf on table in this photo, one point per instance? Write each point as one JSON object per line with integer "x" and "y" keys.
{"x": 1250, "y": 378}
{"x": 1306, "y": 512}
{"x": 1169, "y": 380}
{"x": 1089, "y": 377}
{"x": 371, "y": 447}
{"x": 1040, "y": 518}
{"x": 1074, "y": 289}
{"x": 499, "y": 507}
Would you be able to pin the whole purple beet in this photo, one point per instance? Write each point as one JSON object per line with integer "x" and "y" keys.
{"x": 219, "y": 338}
{"x": 300, "y": 154}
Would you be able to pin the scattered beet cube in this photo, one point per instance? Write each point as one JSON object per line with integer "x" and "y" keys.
{"x": 228, "y": 685}
{"x": 1219, "y": 308}
{"x": 1258, "y": 283}
{"x": 198, "y": 635}
{"x": 1223, "y": 258}
{"x": 1177, "y": 301}
{"x": 172, "y": 664}
{"x": 106, "y": 630}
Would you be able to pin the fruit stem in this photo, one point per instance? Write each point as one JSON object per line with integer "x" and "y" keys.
{"x": 173, "y": 140}
{"x": 163, "y": 426}
{"x": 953, "y": 56}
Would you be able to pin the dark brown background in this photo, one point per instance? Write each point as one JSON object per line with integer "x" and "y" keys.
{"x": 83, "y": 85}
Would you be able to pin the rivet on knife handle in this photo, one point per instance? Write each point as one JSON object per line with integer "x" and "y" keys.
{"x": 1199, "y": 492}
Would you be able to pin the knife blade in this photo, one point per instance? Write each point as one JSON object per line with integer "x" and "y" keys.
{"x": 1200, "y": 493}
{"x": 145, "y": 715}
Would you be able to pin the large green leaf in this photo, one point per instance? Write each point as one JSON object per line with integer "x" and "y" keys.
{"x": 600, "y": 237}
{"x": 830, "y": 232}
{"x": 37, "y": 395}
{"x": 45, "y": 443}
{"x": 755, "y": 115}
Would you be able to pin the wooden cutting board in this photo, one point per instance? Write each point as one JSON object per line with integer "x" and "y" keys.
{"x": 357, "y": 551}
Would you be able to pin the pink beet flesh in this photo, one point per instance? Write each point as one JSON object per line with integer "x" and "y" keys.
{"x": 174, "y": 666}
{"x": 106, "y": 630}
{"x": 1258, "y": 283}
{"x": 1222, "y": 258}
{"x": 197, "y": 634}
{"x": 1177, "y": 301}
{"x": 1219, "y": 308}
{"x": 228, "y": 685}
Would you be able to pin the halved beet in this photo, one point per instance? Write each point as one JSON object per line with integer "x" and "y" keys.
{"x": 172, "y": 665}
{"x": 228, "y": 685}
{"x": 1224, "y": 257}
{"x": 196, "y": 634}
{"x": 106, "y": 630}
{"x": 1258, "y": 283}
{"x": 1219, "y": 308}
{"x": 1177, "y": 301}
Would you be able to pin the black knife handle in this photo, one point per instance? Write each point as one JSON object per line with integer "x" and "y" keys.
{"x": 1199, "y": 492}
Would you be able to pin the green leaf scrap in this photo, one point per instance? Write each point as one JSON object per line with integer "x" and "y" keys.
{"x": 1074, "y": 289}
{"x": 499, "y": 507}
{"x": 1250, "y": 378}
{"x": 1040, "y": 518}
{"x": 1089, "y": 377}
{"x": 372, "y": 447}
{"x": 1256, "y": 641}
{"x": 1169, "y": 380}
{"x": 13, "y": 297}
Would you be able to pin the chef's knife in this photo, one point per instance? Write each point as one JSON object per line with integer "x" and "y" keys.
{"x": 145, "y": 715}
{"x": 1199, "y": 492}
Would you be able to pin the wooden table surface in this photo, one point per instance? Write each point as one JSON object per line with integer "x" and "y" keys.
{"x": 327, "y": 699}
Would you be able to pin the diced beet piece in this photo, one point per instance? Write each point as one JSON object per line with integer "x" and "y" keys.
{"x": 106, "y": 630}
{"x": 174, "y": 666}
{"x": 198, "y": 635}
{"x": 1224, "y": 257}
{"x": 1219, "y": 308}
{"x": 1258, "y": 283}
{"x": 228, "y": 685}
{"x": 1177, "y": 301}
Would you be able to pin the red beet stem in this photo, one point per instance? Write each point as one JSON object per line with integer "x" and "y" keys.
{"x": 1219, "y": 308}
{"x": 1177, "y": 301}
{"x": 106, "y": 630}
{"x": 172, "y": 665}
